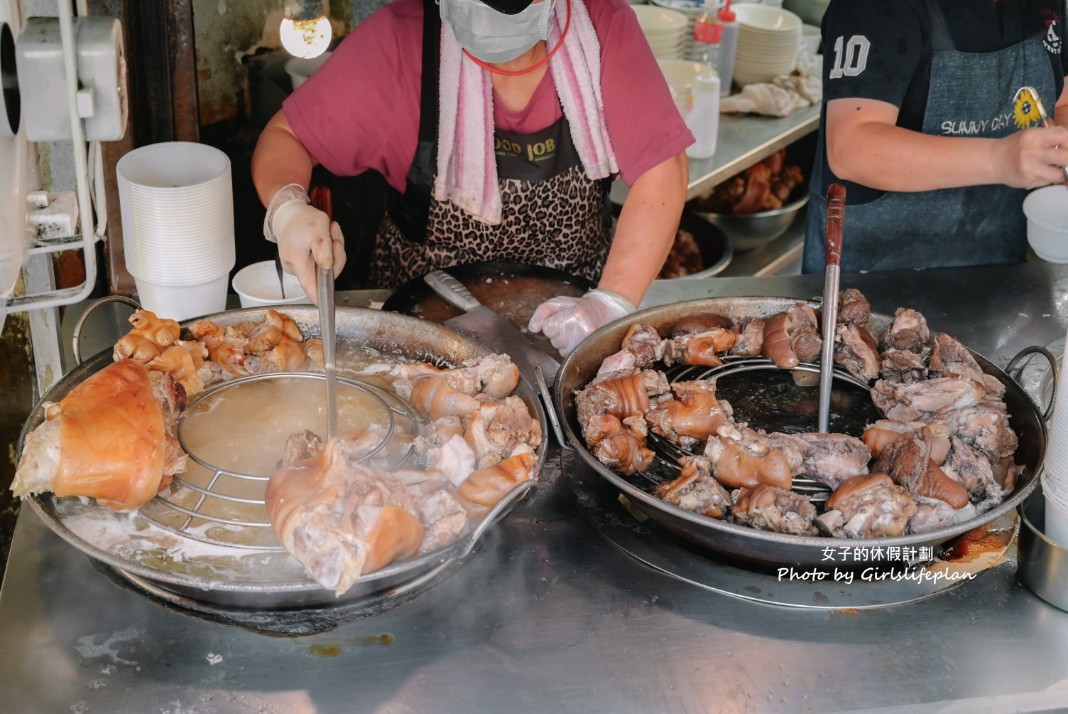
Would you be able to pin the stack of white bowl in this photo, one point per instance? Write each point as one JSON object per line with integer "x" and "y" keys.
{"x": 692, "y": 9}
{"x": 177, "y": 206}
{"x": 664, "y": 29}
{"x": 768, "y": 41}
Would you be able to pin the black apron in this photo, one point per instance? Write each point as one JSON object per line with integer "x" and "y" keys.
{"x": 553, "y": 214}
{"x": 972, "y": 225}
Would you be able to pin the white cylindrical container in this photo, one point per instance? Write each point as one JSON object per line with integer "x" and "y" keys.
{"x": 1055, "y": 467}
{"x": 177, "y": 207}
{"x": 703, "y": 115}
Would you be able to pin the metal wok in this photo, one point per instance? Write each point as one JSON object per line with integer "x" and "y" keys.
{"x": 138, "y": 549}
{"x": 762, "y": 548}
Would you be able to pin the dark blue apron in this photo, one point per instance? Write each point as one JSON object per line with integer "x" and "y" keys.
{"x": 972, "y": 225}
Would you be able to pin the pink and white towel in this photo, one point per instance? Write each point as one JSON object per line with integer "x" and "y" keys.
{"x": 466, "y": 167}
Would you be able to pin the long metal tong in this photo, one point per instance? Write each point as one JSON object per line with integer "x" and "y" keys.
{"x": 835, "y": 216}
{"x": 324, "y": 284}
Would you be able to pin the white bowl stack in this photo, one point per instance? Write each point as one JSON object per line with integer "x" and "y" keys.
{"x": 664, "y": 29}
{"x": 692, "y": 9}
{"x": 177, "y": 206}
{"x": 768, "y": 41}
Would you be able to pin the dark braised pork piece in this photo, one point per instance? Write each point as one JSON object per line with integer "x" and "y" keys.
{"x": 750, "y": 342}
{"x": 744, "y": 458}
{"x": 611, "y": 412}
{"x": 916, "y": 400}
{"x": 696, "y": 324}
{"x": 692, "y": 416}
{"x": 868, "y": 506}
{"x": 908, "y": 462}
{"x": 904, "y": 346}
{"x": 880, "y": 434}
{"x": 984, "y": 426}
{"x": 699, "y": 348}
{"x": 853, "y": 307}
{"x": 695, "y": 490}
{"x": 949, "y": 358}
{"x": 792, "y": 337}
{"x": 971, "y": 469}
{"x": 619, "y": 444}
{"x": 641, "y": 349}
{"x": 768, "y": 508}
{"x": 622, "y": 394}
{"x": 831, "y": 458}
{"x": 855, "y": 348}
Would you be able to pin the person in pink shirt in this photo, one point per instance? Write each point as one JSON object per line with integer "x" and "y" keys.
{"x": 498, "y": 125}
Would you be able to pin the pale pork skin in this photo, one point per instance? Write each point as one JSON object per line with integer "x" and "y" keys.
{"x": 110, "y": 438}
{"x": 339, "y": 518}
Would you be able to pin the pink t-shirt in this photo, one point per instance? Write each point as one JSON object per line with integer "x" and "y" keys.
{"x": 360, "y": 110}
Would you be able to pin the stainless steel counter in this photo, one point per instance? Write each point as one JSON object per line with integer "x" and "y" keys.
{"x": 549, "y": 616}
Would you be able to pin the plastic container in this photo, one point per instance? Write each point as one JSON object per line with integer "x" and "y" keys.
{"x": 728, "y": 45}
{"x": 702, "y": 116}
{"x": 707, "y": 36}
{"x": 257, "y": 285}
{"x": 1047, "y": 222}
{"x": 183, "y": 302}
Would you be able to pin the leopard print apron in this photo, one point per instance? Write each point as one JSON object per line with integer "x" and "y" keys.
{"x": 553, "y": 215}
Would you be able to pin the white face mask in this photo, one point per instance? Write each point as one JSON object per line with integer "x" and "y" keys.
{"x": 493, "y": 36}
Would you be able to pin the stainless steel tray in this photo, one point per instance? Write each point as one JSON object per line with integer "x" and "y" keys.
{"x": 764, "y": 548}
{"x": 266, "y": 578}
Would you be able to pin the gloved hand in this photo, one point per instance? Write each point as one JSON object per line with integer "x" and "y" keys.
{"x": 566, "y": 321}
{"x": 306, "y": 237}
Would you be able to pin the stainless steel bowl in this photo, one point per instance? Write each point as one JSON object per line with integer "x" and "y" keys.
{"x": 752, "y": 230}
{"x": 1042, "y": 562}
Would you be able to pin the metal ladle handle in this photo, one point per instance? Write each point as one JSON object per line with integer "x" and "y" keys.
{"x": 324, "y": 288}
{"x": 835, "y": 217}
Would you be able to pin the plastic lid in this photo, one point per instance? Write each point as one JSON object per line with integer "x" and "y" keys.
{"x": 726, "y": 14}
{"x": 707, "y": 30}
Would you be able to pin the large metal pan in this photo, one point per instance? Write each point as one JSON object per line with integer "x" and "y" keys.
{"x": 249, "y": 578}
{"x": 763, "y": 548}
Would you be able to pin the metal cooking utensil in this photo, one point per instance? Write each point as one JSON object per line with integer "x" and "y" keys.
{"x": 835, "y": 215}
{"x": 324, "y": 287}
{"x": 1032, "y": 94}
{"x": 488, "y": 326}
{"x": 278, "y": 269}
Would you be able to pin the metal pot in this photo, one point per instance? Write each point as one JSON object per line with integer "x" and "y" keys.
{"x": 248, "y": 578}
{"x": 760, "y": 547}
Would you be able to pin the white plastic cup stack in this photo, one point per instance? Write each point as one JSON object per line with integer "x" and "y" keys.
{"x": 1055, "y": 468}
{"x": 177, "y": 208}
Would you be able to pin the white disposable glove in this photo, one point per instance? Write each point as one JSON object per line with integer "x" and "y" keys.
{"x": 566, "y": 321}
{"x": 306, "y": 237}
